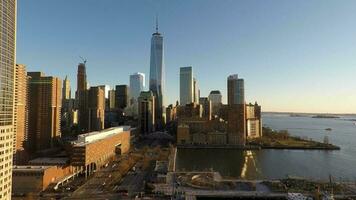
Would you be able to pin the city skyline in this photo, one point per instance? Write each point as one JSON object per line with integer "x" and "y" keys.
{"x": 264, "y": 48}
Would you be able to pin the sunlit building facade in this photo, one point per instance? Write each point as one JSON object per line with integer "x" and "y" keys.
{"x": 7, "y": 64}
{"x": 157, "y": 76}
{"x": 186, "y": 87}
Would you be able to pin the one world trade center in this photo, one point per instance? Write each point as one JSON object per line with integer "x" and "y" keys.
{"x": 156, "y": 82}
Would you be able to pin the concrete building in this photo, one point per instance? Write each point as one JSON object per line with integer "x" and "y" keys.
{"x": 96, "y": 109}
{"x": 253, "y": 121}
{"x": 157, "y": 76}
{"x": 207, "y": 107}
{"x": 66, "y": 90}
{"x": 186, "y": 87}
{"x": 82, "y": 97}
{"x": 216, "y": 101}
{"x": 44, "y": 111}
{"x": 236, "y": 111}
{"x": 82, "y": 83}
{"x": 189, "y": 111}
{"x": 137, "y": 84}
{"x": 196, "y": 91}
{"x": 112, "y": 97}
{"x": 7, "y": 65}
{"x": 171, "y": 113}
{"x": 35, "y": 179}
{"x": 20, "y": 115}
{"x": 93, "y": 150}
{"x": 146, "y": 112}
{"x": 122, "y": 96}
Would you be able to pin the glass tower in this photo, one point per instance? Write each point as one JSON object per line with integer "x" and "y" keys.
{"x": 186, "y": 89}
{"x": 137, "y": 84}
{"x": 156, "y": 81}
{"x": 7, "y": 68}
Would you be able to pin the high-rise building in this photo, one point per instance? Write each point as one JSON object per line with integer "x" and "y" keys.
{"x": 196, "y": 91}
{"x": 122, "y": 96}
{"x": 157, "y": 76}
{"x": 20, "y": 115}
{"x": 236, "y": 90}
{"x": 137, "y": 84}
{"x": 146, "y": 112}
{"x": 66, "y": 91}
{"x": 7, "y": 64}
{"x": 186, "y": 89}
{"x": 82, "y": 83}
{"x": 82, "y": 97}
{"x": 206, "y": 103}
{"x": 96, "y": 108}
{"x": 216, "y": 101}
{"x": 112, "y": 97}
{"x": 106, "y": 89}
{"x": 236, "y": 111}
{"x": 44, "y": 111}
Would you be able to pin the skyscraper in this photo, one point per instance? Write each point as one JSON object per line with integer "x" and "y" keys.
{"x": 146, "y": 112}
{"x": 82, "y": 77}
{"x": 236, "y": 110}
{"x": 137, "y": 84}
{"x": 196, "y": 91}
{"x": 236, "y": 90}
{"x": 216, "y": 101}
{"x": 122, "y": 96}
{"x": 157, "y": 77}
{"x": 82, "y": 97}
{"x": 186, "y": 88}
{"x": 112, "y": 97}
{"x": 20, "y": 115}
{"x": 7, "y": 64}
{"x": 44, "y": 111}
{"x": 66, "y": 91}
{"x": 96, "y": 108}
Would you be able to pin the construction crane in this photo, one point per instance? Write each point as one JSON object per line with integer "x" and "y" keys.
{"x": 84, "y": 60}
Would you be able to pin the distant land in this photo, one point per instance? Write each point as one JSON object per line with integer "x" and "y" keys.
{"x": 305, "y": 114}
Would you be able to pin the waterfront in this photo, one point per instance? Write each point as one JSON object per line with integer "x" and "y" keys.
{"x": 275, "y": 164}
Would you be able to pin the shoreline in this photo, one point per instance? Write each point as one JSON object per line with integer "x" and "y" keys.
{"x": 257, "y": 147}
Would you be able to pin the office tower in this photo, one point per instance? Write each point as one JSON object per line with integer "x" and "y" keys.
{"x": 82, "y": 97}
{"x": 196, "y": 91}
{"x": 186, "y": 88}
{"x": 207, "y": 107}
{"x": 69, "y": 115}
{"x": 112, "y": 97}
{"x": 66, "y": 91}
{"x": 236, "y": 90}
{"x": 137, "y": 84}
{"x": 20, "y": 115}
{"x": 216, "y": 101}
{"x": 82, "y": 77}
{"x": 106, "y": 89}
{"x": 122, "y": 96}
{"x": 7, "y": 64}
{"x": 45, "y": 103}
{"x": 96, "y": 108}
{"x": 236, "y": 111}
{"x": 157, "y": 77}
{"x": 146, "y": 112}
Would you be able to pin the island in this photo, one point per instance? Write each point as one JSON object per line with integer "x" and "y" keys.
{"x": 273, "y": 139}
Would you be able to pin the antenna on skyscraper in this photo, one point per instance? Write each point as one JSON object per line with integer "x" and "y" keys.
{"x": 156, "y": 23}
{"x": 84, "y": 60}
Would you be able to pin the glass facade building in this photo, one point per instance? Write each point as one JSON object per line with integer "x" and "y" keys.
{"x": 186, "y": 89}
{"x": 157, "y": 78}
{"x": 7, "y": 68}
{"x": 137, "y": 84}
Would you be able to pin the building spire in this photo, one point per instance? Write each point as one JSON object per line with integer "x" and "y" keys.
{"x": 156, "y": 23}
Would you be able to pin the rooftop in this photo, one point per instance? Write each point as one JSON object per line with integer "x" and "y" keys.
{"x": 90, "y": 137}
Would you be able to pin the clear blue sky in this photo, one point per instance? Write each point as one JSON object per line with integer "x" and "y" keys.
{"x": 294, "y": 55}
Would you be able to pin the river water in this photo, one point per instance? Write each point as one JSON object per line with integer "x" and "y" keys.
{"x": 274, "y": 164}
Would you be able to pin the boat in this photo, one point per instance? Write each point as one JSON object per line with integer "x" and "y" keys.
{"x": 328, "y": 129}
